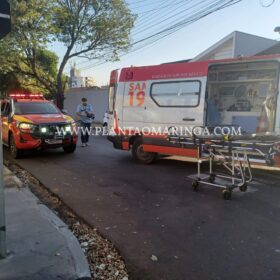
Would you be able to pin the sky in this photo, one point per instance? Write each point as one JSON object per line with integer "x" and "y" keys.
{"x": 248, "y": 16}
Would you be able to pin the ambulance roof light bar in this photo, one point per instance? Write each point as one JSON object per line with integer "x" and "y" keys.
{"x": 26, "y": 96}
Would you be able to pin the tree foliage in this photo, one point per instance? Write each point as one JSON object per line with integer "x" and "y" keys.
{"x": 36, "y": 73}
{"x": 87, "y": 28}
{"x": 24, "y": 52}
{"x": 92, "y": 29}
{"x": 8, "y": 82}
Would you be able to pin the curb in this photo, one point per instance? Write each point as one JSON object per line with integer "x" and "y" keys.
{"x": 81, "y": 264}
{"x": 79, "y": 259}
{"x": 11, "y": 180}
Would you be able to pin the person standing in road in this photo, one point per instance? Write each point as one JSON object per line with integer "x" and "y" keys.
{"x": 85, "y": 112}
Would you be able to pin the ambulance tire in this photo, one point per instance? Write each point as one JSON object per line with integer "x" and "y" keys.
{"x": 69, "y": 149}
{"x": 14, "y": 151}
{"x": 140, "y": 156}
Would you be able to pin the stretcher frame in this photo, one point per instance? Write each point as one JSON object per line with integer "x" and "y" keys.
{"x": 230, "y": 153}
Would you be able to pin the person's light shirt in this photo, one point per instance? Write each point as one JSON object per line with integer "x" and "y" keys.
{"x": 83, "y": 110}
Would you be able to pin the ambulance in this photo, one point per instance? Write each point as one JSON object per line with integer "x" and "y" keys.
{"x": 30, "y": 122}
{"x": 144, "y": 102}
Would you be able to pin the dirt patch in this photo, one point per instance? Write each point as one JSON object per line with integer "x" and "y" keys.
{"x": 104, "y": 259}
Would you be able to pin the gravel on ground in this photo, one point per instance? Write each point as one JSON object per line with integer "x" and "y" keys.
{"x": 104, "y": 259}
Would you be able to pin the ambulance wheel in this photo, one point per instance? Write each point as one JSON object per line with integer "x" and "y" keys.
{"x": 243, "y": 188}
{"x": 14, "y": 151}
{"x": 69, "y": 149}
{"x": 195, "y": 186}
{"x": 140, "y": 155}
{"x": 227, "y": 194}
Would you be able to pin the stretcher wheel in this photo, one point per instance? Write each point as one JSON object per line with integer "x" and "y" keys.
{"x": 195, "y": 186}
{"x": 212, "y": 178}
{"x": 227, "y": 194}
{"x": 243, "y": 188}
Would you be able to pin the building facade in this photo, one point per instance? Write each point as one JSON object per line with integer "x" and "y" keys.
{"x": 77, "y": 81}
{"x": 236, "y": 44}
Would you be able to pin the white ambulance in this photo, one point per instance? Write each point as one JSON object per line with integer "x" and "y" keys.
{"x": 145, "y": 101}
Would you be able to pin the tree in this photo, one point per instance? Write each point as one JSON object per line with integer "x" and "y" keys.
{"x": 87, "y": 28}
{"x": 8, "y": 82}
{"x": 24, "y": 51}
{"x": 18, "y": 72}
{"x": 92, "y": 29}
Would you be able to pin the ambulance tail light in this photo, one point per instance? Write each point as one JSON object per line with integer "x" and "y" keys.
{"x": 116, "y": 125}
{"x": 113, "y": 90}
{"x": 114, "y": 77}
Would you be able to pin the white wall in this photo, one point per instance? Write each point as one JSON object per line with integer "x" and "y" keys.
{"x": 97, "y": 97}
{"x": 225, "y": 51}
{"x": 221, "y": 50}
{"x": 77, "y": 82}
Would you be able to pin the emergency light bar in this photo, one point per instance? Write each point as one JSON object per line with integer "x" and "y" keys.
{"x": 26, "y": 96}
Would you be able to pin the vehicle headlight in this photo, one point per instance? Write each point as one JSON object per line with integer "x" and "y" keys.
{"x": 26, "y": 127}
{"x": 44, "y": 130}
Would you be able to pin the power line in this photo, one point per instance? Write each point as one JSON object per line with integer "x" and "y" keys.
{"x": 151, "y": 3}
{"x": 181, "y": 23}
{"x": 159, "y": 16}
{"x": 169, "y": 31}
{"x": 158, "y": 8}
{"x": 142, "y": 18}
{"x": 153, "y": 20}
{"x": 216, "y": 6}
{"x": 171, "y": 16}
{"x": 267, "y": 5}
{"x": 137, "y": 2}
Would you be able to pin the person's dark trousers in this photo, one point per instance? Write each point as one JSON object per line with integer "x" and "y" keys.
{"x": 85, "y": 132}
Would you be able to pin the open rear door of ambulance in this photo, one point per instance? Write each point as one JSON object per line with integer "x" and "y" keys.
{"x": 113, "y": 121}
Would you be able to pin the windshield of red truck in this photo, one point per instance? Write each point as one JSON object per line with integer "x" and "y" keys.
{"x": 30, "y": 108}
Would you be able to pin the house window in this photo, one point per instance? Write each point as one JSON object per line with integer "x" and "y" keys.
{"x": 176, "y": 94}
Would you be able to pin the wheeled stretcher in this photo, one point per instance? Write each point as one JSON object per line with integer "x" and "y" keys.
{"x": 228, "y": 158}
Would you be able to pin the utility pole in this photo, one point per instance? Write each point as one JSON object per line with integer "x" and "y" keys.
{"x": 5, "y": 28}
{"x": 3, "y": 250}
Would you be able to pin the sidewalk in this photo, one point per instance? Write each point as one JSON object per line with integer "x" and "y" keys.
{"x": 40, "y": 245}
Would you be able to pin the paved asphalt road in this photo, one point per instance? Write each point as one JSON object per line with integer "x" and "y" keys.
{"x": 151, "y": 210}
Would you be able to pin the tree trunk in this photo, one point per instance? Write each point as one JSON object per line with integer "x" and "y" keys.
{"x": 60, "y": 88}
{"x": 60, "y": 92}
